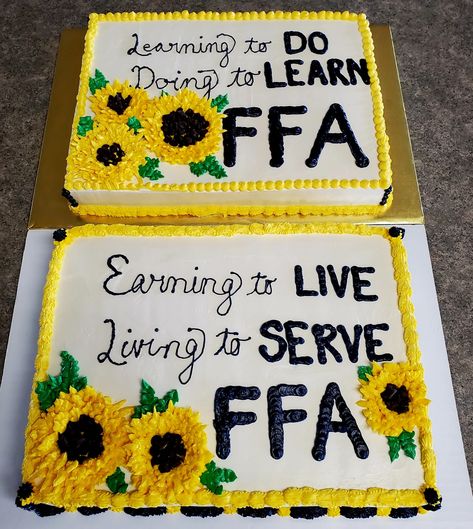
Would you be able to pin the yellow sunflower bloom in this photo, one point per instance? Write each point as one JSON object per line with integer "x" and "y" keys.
{"x": 75, "y": 445}
{"x": 394, "y": 398}
{"x": 168, "y": 452}
{"x": 183, "y": 128}
{"x": 117, "y": 102}
{"x": 107, "y": 155}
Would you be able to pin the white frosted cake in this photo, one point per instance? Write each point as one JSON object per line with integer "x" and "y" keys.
{"x": 228, "y": 113}
{"x": 251, "y": 370}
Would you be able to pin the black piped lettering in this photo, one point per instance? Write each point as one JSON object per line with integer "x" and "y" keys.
{"x": 277, "y": 131}
{"x": 324, "y": 342}
{"x": 232, "y": 132}
{"x": 225, "y": 419}
{"x": 372, "y": 343}
{"x": 339, "y": 287}
{"x": 299, "y": 282}
{"x": 278, "y": 416}
{"x": 282, "y": 344}
{"x": 316, "y": 72}
{"x": 359, "y": 283}
{"x": 360, "y": 68}
{"x": 294, "y": 341}
{"x": 351, "y": 346}
{"x": 291, "y": 72}
{"x": 334, "y": 67}
{"x": 268, "y": 76}
{"x": 336, "y": 113}
{"x": 347, "y": 425}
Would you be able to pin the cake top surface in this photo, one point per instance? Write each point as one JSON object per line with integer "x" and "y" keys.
{"x": 289, "y": 345}
{"x": 229, "y": 102}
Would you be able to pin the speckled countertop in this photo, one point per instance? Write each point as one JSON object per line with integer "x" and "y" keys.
{"x": 432, "y": 41}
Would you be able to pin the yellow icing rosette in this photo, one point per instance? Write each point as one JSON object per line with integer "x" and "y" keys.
{"x": 108, "y": 155}
{"x": 183, "y": 128}
{"x": 394, "y": 398}
{"x": 75, "y": 445}
{"x": 117, "y": 102}
{"x": 168, "y": 453}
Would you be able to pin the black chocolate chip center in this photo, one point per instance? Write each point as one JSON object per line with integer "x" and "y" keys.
{"x": 82, "y": 439}
{"x": 182, "y": 129}
{"x": 118, "y": 103}
{"x": 167, "y": 451}
{"x": 396, "y": 398}
{"x": 110, "y": 154}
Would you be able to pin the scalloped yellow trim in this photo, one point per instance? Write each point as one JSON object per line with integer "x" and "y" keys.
{"x": 231, "y": 500}
{"x": 382, "y": 140}
{"x": 215, "y": 209}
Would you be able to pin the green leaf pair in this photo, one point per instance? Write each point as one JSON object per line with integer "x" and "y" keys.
{"x": 48, "y": 390}
{"x": 405, "y": 442}
{"x": 150, "y": 169}
{"x": 210, "y": 165}
{"x": 98, "y": 82}
{"x": 214, "y": 476}
{"x": 149, "y": 402}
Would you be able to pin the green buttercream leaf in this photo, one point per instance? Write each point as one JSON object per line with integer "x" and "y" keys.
{"x": 171, "y": 396}
{"x": 116, "y": 482}
{"x": 150, "y": 169}
{"x": 147, "y": 394}
{"x": 197, "y": 168}
{"x": 134, "y": 123}
{"x": 147, "y": 400}
{"x": 394, "y": 447}
{"x": 214, "y": 168}
{"x": 220, "y": 102}
{"x": 85, "y": 124}
{"x": 161, "y": 405}
{"x": 213, "y": 476}
{"x": 405, "y": 436}
{"x": 48, "y": 390}
{"x": 164, "y": 93}
{"x": 210, "y": 165}
{"x": 97, "y": 82}
{"x": 150, "y": 402}
{"x": 70, "y": 372}
{"x": 408, "y": 444}
{"x": 364, "y": 371}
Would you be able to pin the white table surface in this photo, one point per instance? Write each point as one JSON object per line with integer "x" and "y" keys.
{"x": 452, "y": 473}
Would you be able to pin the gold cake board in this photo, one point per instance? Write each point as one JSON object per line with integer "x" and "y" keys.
{"x": 50, "y": 209}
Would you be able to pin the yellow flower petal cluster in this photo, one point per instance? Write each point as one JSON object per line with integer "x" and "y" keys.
{"x": 379, "y": 417}
{"x": 83, "y": 163}
{"x": 186, "y": 100}
{"x": 48, "y": 469}
{"x": 101, "y": 103}
{"x": 181, "y": 480}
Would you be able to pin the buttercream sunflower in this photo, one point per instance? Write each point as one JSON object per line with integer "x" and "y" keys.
{"x": 184, "y": 128}
{"x": 117, "y": 102}
{"x": 108, "y": 155}
{"x": 75, "y": 445}
{"x": 168, "y": 452}
{"x": 394, "y": 398}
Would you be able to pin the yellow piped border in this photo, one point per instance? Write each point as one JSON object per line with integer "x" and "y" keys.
{"x": 225, "y": 210}
{"x": 332, "y": 499}
{"x": 382, "y": 140}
